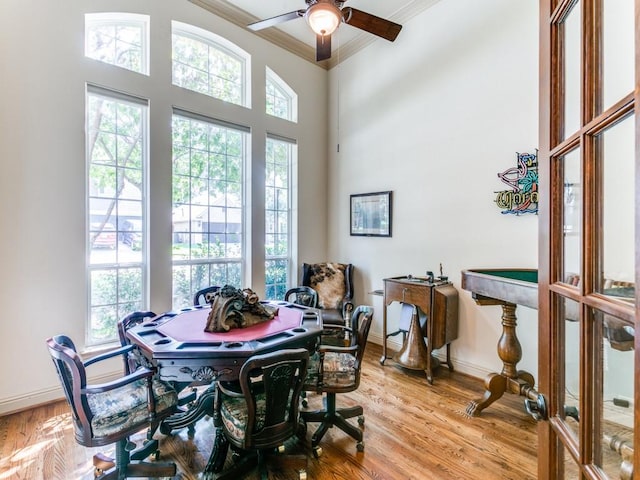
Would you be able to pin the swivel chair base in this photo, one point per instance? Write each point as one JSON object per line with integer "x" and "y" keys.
{"x": 335, "y": 417}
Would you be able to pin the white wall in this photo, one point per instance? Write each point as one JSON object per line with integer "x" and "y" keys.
{"x": 42, "y": 185}
{"x": 434, "y": 117}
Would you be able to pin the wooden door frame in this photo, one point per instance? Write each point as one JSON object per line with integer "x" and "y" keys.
{"x": 552, "y": 144}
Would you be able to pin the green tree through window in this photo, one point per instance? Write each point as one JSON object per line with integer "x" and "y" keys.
{"x": 208, "y": 237}
{"x": 116, "y": 139}
{"x": 278, "y": 163}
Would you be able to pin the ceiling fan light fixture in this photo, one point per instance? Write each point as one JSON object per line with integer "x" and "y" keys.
{"x": 323, "y": 17}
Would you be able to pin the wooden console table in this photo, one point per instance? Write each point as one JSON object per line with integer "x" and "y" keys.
{"x": 437, "y": 300}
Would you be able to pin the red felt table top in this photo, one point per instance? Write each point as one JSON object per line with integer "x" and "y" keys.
{"x": 189, "y": 327}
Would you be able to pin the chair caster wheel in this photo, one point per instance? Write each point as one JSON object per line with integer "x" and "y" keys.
{"x": 361, "y": 420}
{"x": 317, "y": 451}
{"x": 302, "y": 475}
{"x": 360, "y": 446}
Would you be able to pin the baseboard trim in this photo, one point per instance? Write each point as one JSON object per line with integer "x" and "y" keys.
{"x": 460, "y": 365}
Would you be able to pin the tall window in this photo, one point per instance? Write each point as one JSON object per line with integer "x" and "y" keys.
{"x": 282, "y": 101}
{"x": 116, "y": 158}
{"x": 279, "y": 159}
{"x": 208, "y": 160}
{"x": 209, "y": 223}
{"x": 209, "y": 64}
{"x": 120, "y": 39}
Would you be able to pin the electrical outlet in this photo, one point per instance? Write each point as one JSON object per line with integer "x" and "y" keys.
{"x": 621, "y": 402}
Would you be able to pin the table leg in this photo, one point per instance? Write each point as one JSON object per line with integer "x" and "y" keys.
{"x": 203, "y": 406}
{"x": 510, "y": 379}
{"x": 448, "y": 362}
{"x": 384, "y": 333}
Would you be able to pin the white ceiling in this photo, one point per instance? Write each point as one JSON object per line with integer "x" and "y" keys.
{"x": 297, "y": 37}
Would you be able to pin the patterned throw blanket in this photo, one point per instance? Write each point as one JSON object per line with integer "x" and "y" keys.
{"x": 235, "y": 308}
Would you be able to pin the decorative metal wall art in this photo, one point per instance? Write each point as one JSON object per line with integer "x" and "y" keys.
{"x": 522, "y": 195}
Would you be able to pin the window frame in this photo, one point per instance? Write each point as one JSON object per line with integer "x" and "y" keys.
{"x": 121, "y": 19}
{"x": 244, "y": 238}
{"x": 292, "y": 151}
{"x": 286, "y": 91}
{"x": 213, "y": 41}
{"x": 117, "y": 265}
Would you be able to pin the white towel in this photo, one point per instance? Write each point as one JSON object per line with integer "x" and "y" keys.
{"x": 405, "y": 317}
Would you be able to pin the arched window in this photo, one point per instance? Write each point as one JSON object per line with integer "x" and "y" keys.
{"x": 120, "y": 39}
{"x": 282, "y": 101}
{"x": 209, "y": 64}
{"x": 213, "y": 177}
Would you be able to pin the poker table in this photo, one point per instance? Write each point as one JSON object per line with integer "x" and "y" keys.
{"x": 176, "y": 345}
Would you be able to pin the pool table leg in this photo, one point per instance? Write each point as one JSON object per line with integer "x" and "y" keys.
{"x": 510, "y": 379}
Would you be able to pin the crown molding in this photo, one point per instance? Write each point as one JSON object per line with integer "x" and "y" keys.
{"x": 241, "y": 18}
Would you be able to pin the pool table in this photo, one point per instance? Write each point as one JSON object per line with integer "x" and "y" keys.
{"x": 507, "y": 287}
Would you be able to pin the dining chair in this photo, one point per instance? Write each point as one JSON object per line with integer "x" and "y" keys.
{"x": 333, "y": 283}
{"x": 337, "y": 369}
{"x": 262, "y": 415}
{"x": 111, "y": 412}
{"x": 205, "y": 295}
{"x": 305, "y": 296}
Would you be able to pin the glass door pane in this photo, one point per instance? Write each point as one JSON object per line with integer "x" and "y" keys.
{"x": 572, "y": 366}
{"x": 618, "y": 210}
{"x": 618, "y": 49}
{"x": 571, "y": 72}
{"x": 572, "y": 215}
{"x": 617, "y": 407}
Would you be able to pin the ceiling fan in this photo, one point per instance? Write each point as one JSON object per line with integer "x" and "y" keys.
{"x": 325, "y": 16}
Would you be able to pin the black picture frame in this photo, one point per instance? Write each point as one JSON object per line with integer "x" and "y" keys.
{"x": 371, "y": 214}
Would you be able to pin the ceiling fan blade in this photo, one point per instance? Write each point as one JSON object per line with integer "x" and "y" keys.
{"x": 323, "y": 47}
{"x": 270, "y": 22}
{"x": 370, "y": 23}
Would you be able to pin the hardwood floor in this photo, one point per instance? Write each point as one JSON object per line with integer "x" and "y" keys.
{"x": 412, "y": 431}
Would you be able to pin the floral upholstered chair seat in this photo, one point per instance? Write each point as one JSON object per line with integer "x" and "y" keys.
{"x": 126, "y": 406}
{"x": 233, "y": 411}
{"x": 338, "y": 370}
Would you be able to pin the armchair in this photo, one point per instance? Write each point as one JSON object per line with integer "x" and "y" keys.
{"x": 110, "y": 412}
{"x": 334, "y": 284}
{"x": 263, "y": 414}
{"x": 336, "y": 369}
{"x": 133, "y": 359}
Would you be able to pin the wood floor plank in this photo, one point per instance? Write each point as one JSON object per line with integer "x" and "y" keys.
{"x": 412, "y": 431}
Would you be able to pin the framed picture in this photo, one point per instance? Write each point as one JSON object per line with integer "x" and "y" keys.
{"x": 371, "y": 214}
